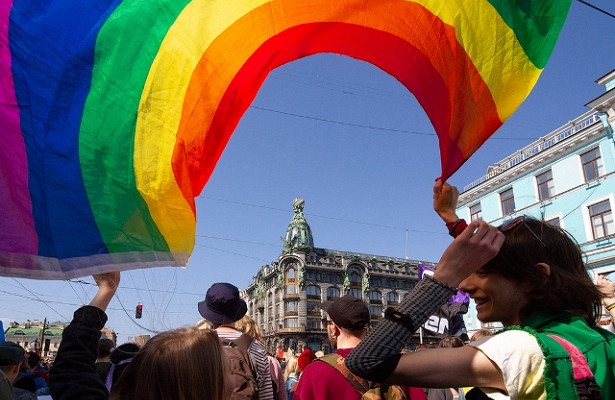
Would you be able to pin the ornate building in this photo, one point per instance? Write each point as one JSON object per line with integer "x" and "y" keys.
{"x": 284, "y": 298}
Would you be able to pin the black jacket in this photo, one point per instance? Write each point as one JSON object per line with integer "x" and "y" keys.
{"x": 73, "y": 374}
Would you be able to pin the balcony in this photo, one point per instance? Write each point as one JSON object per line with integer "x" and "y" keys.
{"x": 556, "y": 136}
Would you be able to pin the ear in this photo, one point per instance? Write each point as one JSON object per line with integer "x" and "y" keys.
{"x": 545, "y": 267}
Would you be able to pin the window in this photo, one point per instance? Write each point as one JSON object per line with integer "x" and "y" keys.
{"x": 375, "y": 296}
{"x": 476, "y": 212}
{"x": 313, "y": 307}
{"x": 592, "y": 164}
{"x": 508, "y": 202}
{"x": 376, "y": 311}
{"x": 409, "y": 284}
{"x": 313, "y": 291}
{"x": 333, "y": 293}
{"x": 601, "y": 219}
{"x": 291, "y": 289}
{"x": 313, "y": 323}
{"x": 392, "y": 298}
{"x": 291, "y": 279}
{"x": 354, "y": 276}
{"x": 291, "y": 323}
{"x": 356, "y": 293}
{"x": 554, "y": 222}
{"x": 545, "y": 185}
{"x": 292, "y": 306}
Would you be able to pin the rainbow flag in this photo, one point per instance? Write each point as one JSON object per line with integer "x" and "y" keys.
{"x": 113, "y": 114}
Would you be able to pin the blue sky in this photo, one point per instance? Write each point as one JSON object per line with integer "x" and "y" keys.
{"x": 353, "y": 143}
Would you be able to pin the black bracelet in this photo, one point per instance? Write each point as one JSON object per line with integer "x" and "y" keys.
{"x": 450, "y": 231}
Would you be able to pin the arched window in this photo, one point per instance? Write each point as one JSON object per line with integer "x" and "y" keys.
{"x": 313, "y": 291}
{"x": 355, "y": 280}
{"x": 333, "y": 293}
{"x": 375, "y": 296}
{"x": 354, "y": 276}
{"x": 291, "y": 278}
{"x": 392, "y": 298}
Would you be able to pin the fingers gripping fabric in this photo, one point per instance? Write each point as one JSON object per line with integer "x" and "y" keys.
{"x": 376, "y": 357}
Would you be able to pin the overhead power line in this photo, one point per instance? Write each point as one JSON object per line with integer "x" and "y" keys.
{"x": 362, "y": 126}
{"x": 596, "y": 8}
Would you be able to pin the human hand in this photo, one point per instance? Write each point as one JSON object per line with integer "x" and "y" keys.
{"x": 445, "y": 198}
{"x": 107, "y": 286}
{"x": 607, "y": 288}
{"x": 472, "y": 249}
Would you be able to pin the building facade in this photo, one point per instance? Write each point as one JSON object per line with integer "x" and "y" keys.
{"x": 284, "y": 297}
{"x": 566, "y": 178}
{"x": 42, "y": 337}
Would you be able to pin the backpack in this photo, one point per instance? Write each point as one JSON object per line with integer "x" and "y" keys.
{"x": 368, "y": 390}
{"x": 242, "y": 367}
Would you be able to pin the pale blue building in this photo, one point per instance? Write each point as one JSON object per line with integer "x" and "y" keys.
{"x": 566, "y": 177}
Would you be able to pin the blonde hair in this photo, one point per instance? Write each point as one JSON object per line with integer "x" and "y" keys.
{"x": 204, "y": 324}
{"x": 292, "y": 365}
{"x": 182, "y": 364}
{"x": 248, "y": 326}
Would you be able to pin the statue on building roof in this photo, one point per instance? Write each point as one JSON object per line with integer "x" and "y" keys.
{"x": 298, "y": 234}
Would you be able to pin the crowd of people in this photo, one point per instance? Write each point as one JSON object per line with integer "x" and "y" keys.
{"x": 525, "y": 274}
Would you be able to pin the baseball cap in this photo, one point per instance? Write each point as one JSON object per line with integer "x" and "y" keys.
{"x": 347, "y": 312}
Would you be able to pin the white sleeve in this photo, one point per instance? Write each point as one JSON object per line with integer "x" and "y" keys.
{"x": 521, "y": 361}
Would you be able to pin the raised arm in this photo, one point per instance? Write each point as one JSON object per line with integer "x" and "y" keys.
{"x": 377, "y": 356}
{"x": 73, "y": 374}
{"x": 445, "y": 199}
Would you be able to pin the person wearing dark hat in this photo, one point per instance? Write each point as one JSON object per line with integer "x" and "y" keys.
{"x": 11, "y": 357}
{"x": 223, "y": 307}
{"x": 347, "y": 322}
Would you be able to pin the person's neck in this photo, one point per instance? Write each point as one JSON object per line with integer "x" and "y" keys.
{"x": 226, "y": 328}
{"x": 347, "y": 341}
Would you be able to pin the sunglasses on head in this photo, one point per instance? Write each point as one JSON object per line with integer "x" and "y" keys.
{"x": 512, "y": 224}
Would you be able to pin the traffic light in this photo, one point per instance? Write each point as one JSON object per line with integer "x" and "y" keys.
{"x": 139, "y": 311}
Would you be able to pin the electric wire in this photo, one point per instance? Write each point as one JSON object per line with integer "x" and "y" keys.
{"x": 596, "y": 8}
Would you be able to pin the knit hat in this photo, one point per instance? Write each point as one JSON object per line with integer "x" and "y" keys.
{"x": 347, "y": 312}
{"x": 222, "y": 304}
{"x": 305, "y": 358}
{"x": 11, "y": 353}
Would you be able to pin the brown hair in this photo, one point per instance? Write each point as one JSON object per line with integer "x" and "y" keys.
{"x": 248, "y": 326}
{"x": 481, "y": 333}
{"x": 450, "y": 341}
{"x": 182, "y": 364}
{"x": 568, "y": 287}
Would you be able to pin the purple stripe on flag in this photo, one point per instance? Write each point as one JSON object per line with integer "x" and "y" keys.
{"x": 17, "y": 224}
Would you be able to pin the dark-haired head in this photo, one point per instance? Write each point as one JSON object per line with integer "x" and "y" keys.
{"x": 565, "y": 285}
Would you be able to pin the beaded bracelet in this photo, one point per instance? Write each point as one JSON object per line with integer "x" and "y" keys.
{"x": 610, "y": 307}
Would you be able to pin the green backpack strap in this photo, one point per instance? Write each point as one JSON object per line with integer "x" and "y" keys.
{"x": 337, "y": 362}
